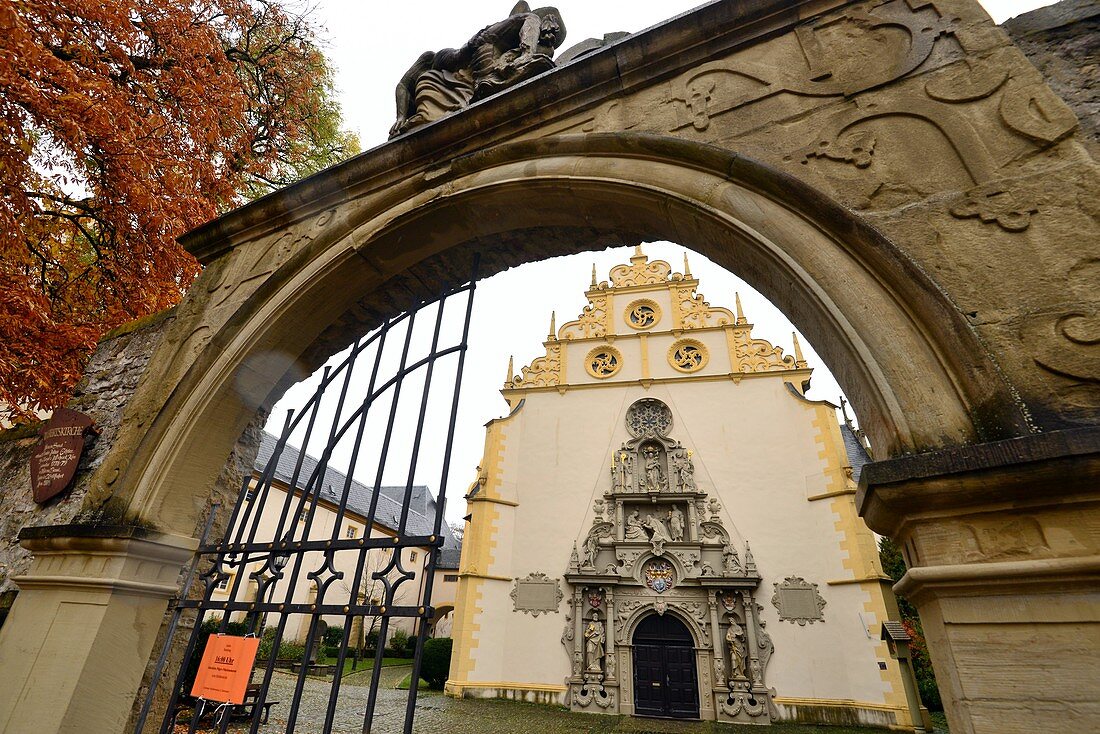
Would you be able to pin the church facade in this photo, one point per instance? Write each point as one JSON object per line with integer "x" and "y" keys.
{"x": 665, "y": 525}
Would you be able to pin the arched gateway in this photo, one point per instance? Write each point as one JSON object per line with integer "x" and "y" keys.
{"x": 894, "y": 175}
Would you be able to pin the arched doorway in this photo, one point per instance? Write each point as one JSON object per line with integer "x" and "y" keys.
{"x": 665, "y": 679}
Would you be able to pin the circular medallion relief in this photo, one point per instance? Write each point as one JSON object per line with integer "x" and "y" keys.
{"x": 688, "y": 355}
{"x": 657, "y": 575}
{"x": 648, "y": 417}
{"x": 642, "y": 314}
{"x": 603, "y": 362}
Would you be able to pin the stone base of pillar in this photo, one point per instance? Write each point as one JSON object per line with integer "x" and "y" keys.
{"x": 1002, "y": 543}
{"x": 81, "y": 632}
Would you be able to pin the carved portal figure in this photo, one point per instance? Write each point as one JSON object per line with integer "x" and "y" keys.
{"x": 635, "y": 530}
{"x": 498, "y": 56}
{"x": 622, "y": 469}
{"x": 676, "y": 524}
{"x": 591, "y": 548}
{"x": 735, "y": 638}
{"x": 594, "y": 644}
{"x": 684, "y": 471}
{"x": 654, "y": 477}
{"x": 657, "y": 529}
{"x": 719, "y": 671}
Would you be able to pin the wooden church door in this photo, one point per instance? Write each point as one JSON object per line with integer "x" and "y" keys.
{"x": 665, "y": 681}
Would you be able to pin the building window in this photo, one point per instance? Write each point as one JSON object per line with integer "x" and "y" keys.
{"x": 249, "y": 494}
{"x": 603, "y": 362}
{"x": 303, "y": 515}
{"x": 412, "y": 555}
{"x": 687, "y": 355}
{"x": 223, "y": 584}
{"x": 450, "y": 577}
{"x": 353, "y": 532}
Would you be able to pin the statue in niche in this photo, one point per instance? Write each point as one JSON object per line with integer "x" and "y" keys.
{"x": 623, "y": 469}
{"x": 657, "y": 529}
{"x": 635, "y": 530}
{"x": 684, "y": 471}
{"x": 654, "y": 476}
{"x": 735, "y": 638}
{"x": 591, "y": 548}
{"x": 594, "y": 644}
{"x": 676, "y": 524}
{"x": 498, "y": 56}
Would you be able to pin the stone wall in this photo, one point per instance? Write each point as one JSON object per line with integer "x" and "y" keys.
{"x": 109, "y": 379}
{"x": 1063, "y": 41}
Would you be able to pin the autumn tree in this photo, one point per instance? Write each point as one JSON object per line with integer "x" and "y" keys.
{"x": 124, "y": 123}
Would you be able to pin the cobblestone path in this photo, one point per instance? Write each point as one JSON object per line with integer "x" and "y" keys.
{"x": 437, "y": 714}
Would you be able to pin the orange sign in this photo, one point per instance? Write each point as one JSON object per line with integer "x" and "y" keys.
{"x": 226, "y": 668}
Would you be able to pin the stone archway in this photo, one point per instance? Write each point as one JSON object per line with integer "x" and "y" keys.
{"x": 864, "y": 201}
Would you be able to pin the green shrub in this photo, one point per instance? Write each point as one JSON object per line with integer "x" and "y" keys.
{"x": 435, "y": 663}
{"x": 410, "y": 646}
{"x": 397, "y": 643}
{"x": 333, "y": 636}
{"x": 331, "y": 651}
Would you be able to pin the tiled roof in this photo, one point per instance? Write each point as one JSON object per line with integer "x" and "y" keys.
{"x": 421, "y": 518}
{"x": 857, "y": 454}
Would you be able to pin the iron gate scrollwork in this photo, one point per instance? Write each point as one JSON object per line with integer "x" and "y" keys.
{"x": 260, "y": 569}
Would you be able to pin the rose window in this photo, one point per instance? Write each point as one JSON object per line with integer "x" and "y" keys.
{"x": 648, "y": 417}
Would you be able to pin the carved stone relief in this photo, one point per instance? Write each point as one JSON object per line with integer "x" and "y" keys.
{"x": 650, "y": 543}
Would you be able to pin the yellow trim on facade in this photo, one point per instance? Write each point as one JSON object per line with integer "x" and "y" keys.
{"x": 835, "y": 703}
{"x": 785, "y": 375}
{"x": 540, "y": 687}
{"x": 643, "y": 344}
{"x": 858, "y": 543}
{"x": 477, "y": 554}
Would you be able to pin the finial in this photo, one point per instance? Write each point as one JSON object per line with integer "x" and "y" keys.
{"x": 593, "y": 275}
{"x": 844, "y": 411}
{"x": 740, "y": 313}
{"x": 799, "y": 360}
{"x": 638, "y": 250}
{"x": 639, "y": 256}
{"x": 687, "y": 268}
{"x": 553, "y": 329}
{"x": 511, "y": 373}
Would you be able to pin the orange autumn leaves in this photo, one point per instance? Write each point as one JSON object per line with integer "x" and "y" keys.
{"x": 124, "y": 123}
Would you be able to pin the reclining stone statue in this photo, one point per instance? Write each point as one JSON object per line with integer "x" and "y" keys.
{"x": 498, "y": 56}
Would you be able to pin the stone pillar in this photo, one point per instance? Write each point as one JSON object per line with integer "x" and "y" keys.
{"x": 81, "y": 633}
{"x": 1002, "y": 543}
{"x": 609, "y": 635}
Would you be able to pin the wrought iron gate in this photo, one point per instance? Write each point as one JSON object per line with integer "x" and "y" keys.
{"x": 254, "y": 577}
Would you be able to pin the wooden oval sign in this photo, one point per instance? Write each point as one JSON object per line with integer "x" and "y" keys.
{"x": 54, "y": 461}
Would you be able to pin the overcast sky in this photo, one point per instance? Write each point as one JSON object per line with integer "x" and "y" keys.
{"x": 370, "y": 46}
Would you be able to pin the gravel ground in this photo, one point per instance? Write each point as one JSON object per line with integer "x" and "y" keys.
{"x": 437, "y": 714}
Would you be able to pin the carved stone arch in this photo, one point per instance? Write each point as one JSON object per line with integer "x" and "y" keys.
{"x": 825, "y": 267}
{"x": 698, "y": 634}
